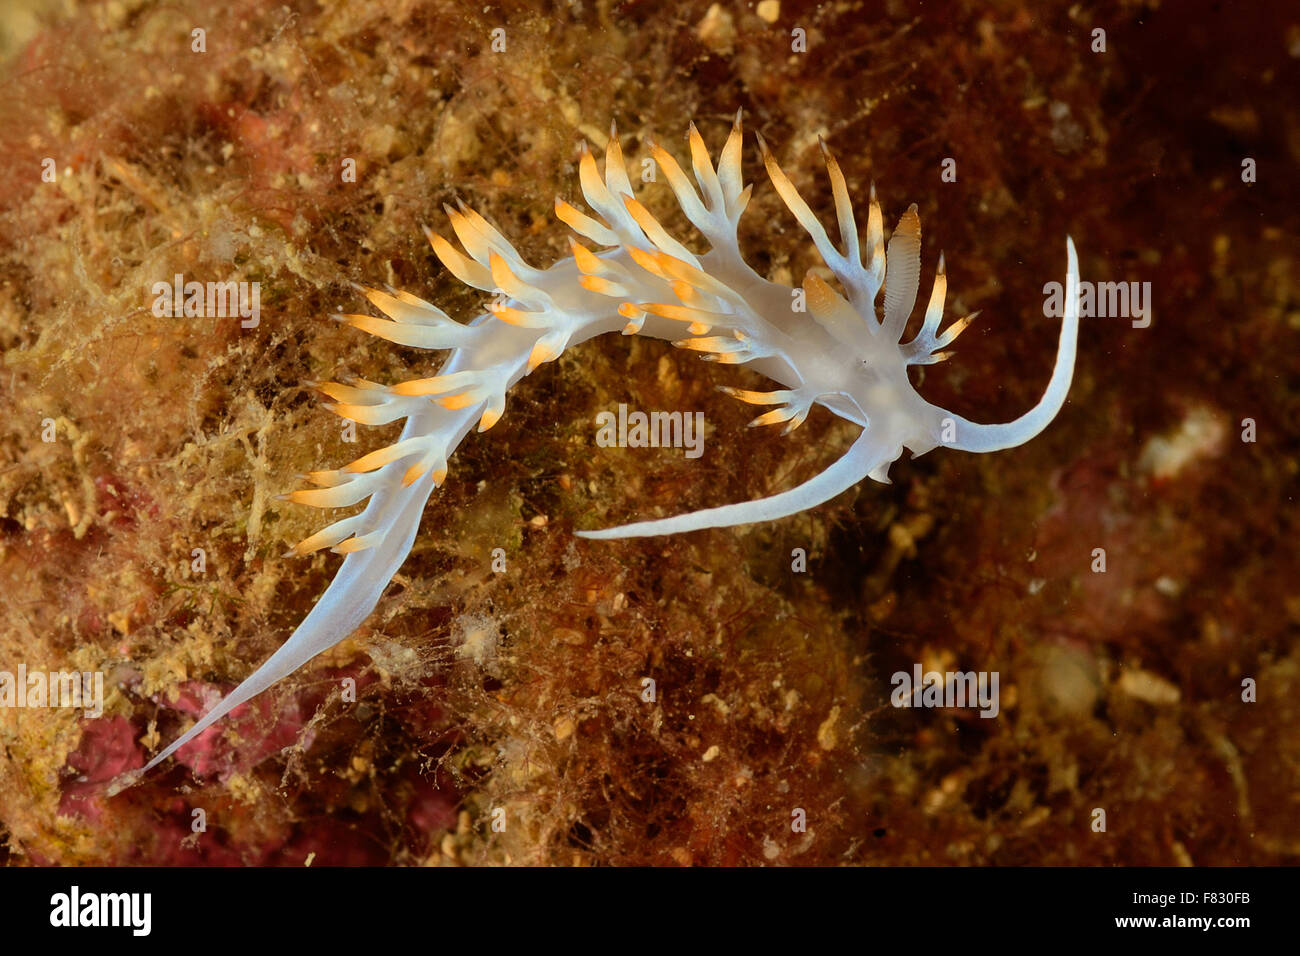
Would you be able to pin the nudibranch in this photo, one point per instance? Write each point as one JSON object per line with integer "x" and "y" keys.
{"x": 841, "y": 354}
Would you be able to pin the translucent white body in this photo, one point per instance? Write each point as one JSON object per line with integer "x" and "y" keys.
{"x": 839, "y": 353}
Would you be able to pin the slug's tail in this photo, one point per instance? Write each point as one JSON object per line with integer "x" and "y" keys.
{"x": 348, "y": 601}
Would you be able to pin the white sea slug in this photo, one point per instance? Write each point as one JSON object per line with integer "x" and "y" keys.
{"x": 840, "y": 354}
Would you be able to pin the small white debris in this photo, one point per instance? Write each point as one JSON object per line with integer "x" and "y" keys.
{"x": 1201, "y": 434}
{"x": 1168, "y": 586}
{"x": 827, "y": 735}
{"x": 1148, "y": 688}
{"x": 717, "y": 30}
{"x": 1068, "y": 681}
{"x": 475, "y": 637}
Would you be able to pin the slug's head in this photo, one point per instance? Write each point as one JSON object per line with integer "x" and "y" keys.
{"x": 873, "y": 339}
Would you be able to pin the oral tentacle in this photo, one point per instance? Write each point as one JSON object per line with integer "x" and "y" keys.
{"x": 863, "y": 457}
